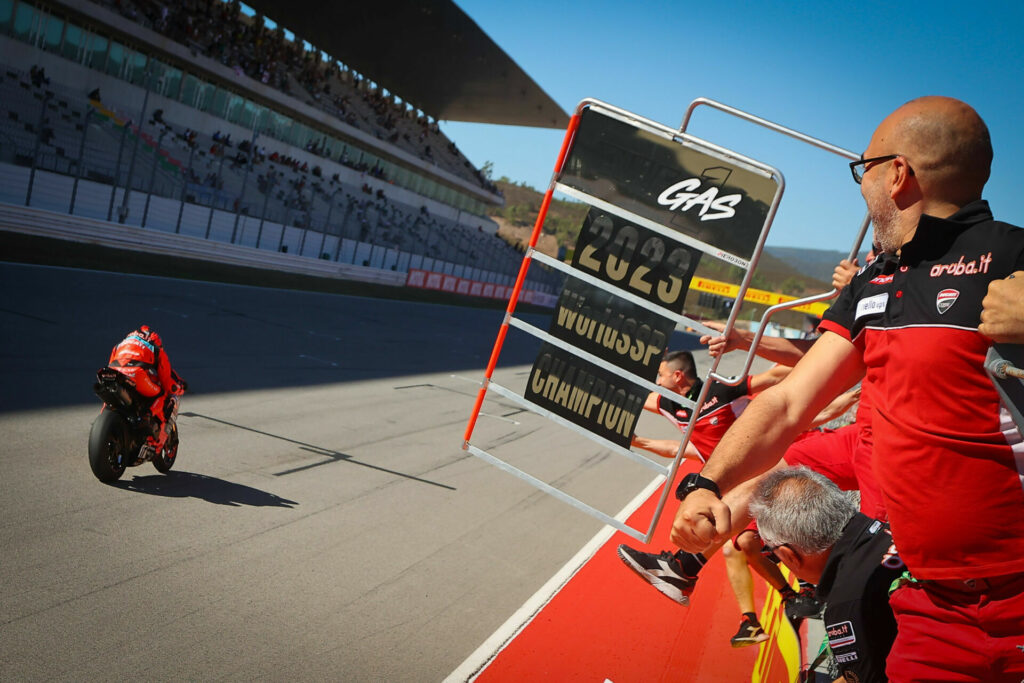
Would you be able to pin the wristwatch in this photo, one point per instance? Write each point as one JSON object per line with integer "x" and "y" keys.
{"x": 693, "y": 481}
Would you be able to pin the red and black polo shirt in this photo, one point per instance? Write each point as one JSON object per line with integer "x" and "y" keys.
{"x": 854, "y": 586}
{"x": 947, "y": 457}
{"x": 722, "y": 406}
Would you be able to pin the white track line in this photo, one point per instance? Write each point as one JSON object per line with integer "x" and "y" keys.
{"x": 483, "y": 655}
{"x": 499, "y": 417}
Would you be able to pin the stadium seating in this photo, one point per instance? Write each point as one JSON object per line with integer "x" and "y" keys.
{"x": 340, "y": 208}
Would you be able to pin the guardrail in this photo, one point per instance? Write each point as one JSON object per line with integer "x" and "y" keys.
{"x": 43, "y": 223}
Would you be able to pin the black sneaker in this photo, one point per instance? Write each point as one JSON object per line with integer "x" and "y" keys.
{"x": 750, "y": 633}
{"x": 662, "y": 571}
{"x": 802, "y": 605}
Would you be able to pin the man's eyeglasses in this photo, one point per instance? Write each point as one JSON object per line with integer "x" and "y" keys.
{"x": 768, "y": 551}
{"x": 858, "y": 168}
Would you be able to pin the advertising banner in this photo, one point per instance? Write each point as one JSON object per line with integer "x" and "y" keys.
{"x": 669, "y": 182}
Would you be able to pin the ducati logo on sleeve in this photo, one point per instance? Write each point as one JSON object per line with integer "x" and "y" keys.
{"x": 945, "y": 300}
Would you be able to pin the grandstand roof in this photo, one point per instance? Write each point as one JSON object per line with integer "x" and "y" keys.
{"x": 428, "y": 52}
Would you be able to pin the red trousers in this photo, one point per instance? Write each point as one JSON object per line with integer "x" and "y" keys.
{"x": 845, "y": 458}
{"x": 948, "y": 631}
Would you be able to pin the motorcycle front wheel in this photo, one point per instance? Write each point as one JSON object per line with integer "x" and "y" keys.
{"x": 164, "y": 460}
{"x": 106, "y": 446}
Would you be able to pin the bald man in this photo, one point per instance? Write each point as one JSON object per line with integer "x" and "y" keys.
{"x": 947, "y": 458}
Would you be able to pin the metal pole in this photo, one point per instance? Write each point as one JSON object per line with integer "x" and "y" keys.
{"x": 271, "y": 179}
{"x": 117, "y": 171}
{"x": 323, "y": 242}
{"x": 327, "y": 224}
{"x": 184, "y": 185}
{"x": 122, "y": 213}
{"x": 287, "y": 214}
{"x": 152, "y": 174}
{"x": 81, "y": 159}
{"x": 305, "y": 231}
{"x": 341, "y": 233}
{"x": 344, "y": 221}
{"x": 213, "y": 203}
{"x": 245, "y": 179}
{"x": 330, "y": 210}
{"x": 35, "y": 151}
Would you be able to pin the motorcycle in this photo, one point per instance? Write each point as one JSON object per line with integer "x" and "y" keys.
{"x": 118, "y": 436}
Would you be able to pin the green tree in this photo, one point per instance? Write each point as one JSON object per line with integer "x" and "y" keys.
{"x": 793, "y": 286}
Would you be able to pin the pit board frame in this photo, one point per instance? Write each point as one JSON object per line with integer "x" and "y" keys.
{"x": 747, "y": 262}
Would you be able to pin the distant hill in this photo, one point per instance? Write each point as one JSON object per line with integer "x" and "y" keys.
{"x": 787, "y": 270}
{"x": 522, "y": 203}
{"x": 815, "y": 263}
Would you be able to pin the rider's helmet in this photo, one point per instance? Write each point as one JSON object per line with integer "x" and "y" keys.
{"x": 149, "y": 335}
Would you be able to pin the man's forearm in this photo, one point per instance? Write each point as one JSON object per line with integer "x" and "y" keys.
{"x": 754, "y": 444}
{"x": 779, "y": 349}
{"x": 666, "y": 448}
{"x": 768, "y": 426}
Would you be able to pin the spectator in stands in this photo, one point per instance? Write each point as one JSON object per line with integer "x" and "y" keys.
{"x": 249, "y": 47}
{"x": 37, "y": 74}
{"x": 816, "y": 531}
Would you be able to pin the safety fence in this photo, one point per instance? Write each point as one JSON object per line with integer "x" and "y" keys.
{"x": 207, "y": 233}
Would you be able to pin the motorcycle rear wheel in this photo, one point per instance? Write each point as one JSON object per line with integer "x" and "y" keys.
{"x": 164, "y": 460}
{"x": 106, "y": 447}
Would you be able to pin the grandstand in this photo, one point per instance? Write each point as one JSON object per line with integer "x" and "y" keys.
{"x": 207, "y": 119}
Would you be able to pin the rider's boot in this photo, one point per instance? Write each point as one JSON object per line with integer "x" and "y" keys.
{"x": 160, "y": 439}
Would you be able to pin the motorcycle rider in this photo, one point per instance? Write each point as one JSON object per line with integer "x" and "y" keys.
{"x": 141, "y": 357}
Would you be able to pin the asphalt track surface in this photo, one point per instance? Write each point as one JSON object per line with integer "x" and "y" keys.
{"x": 322, "y": 521}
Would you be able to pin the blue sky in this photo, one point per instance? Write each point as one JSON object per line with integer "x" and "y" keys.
{"x": 828, "y": 69}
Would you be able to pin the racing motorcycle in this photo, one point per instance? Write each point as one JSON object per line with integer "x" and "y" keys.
{"x": 118, "y": 436}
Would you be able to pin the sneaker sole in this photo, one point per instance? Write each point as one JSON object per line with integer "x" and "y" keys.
{"x": 746, "y": 642}
{"x": 666, "y": 589}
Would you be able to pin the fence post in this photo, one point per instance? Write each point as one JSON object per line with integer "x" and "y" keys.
{"x": 122, "y": 213}
{"x": 35, "y": 152}
{"x": 213, "y": 202}
{"x": 117, "y": 170}
{"x": 287, "y": 215}
{"x": 81, "y": 159}
{"x": 271, "y": 181}
{"x": 152, "y": 174}
{"x": 245, "y": 179}
{"x": 327, "y": 221}
{"x": 184, "y": 184}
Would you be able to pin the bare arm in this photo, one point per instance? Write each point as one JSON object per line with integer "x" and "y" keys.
{"x": 768, "y": 378}
{"x": 837, "y": 407}
{"x": 760, "y": 436}
{"x": 666, "y": 448}
{"x": 775, "y": 349}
